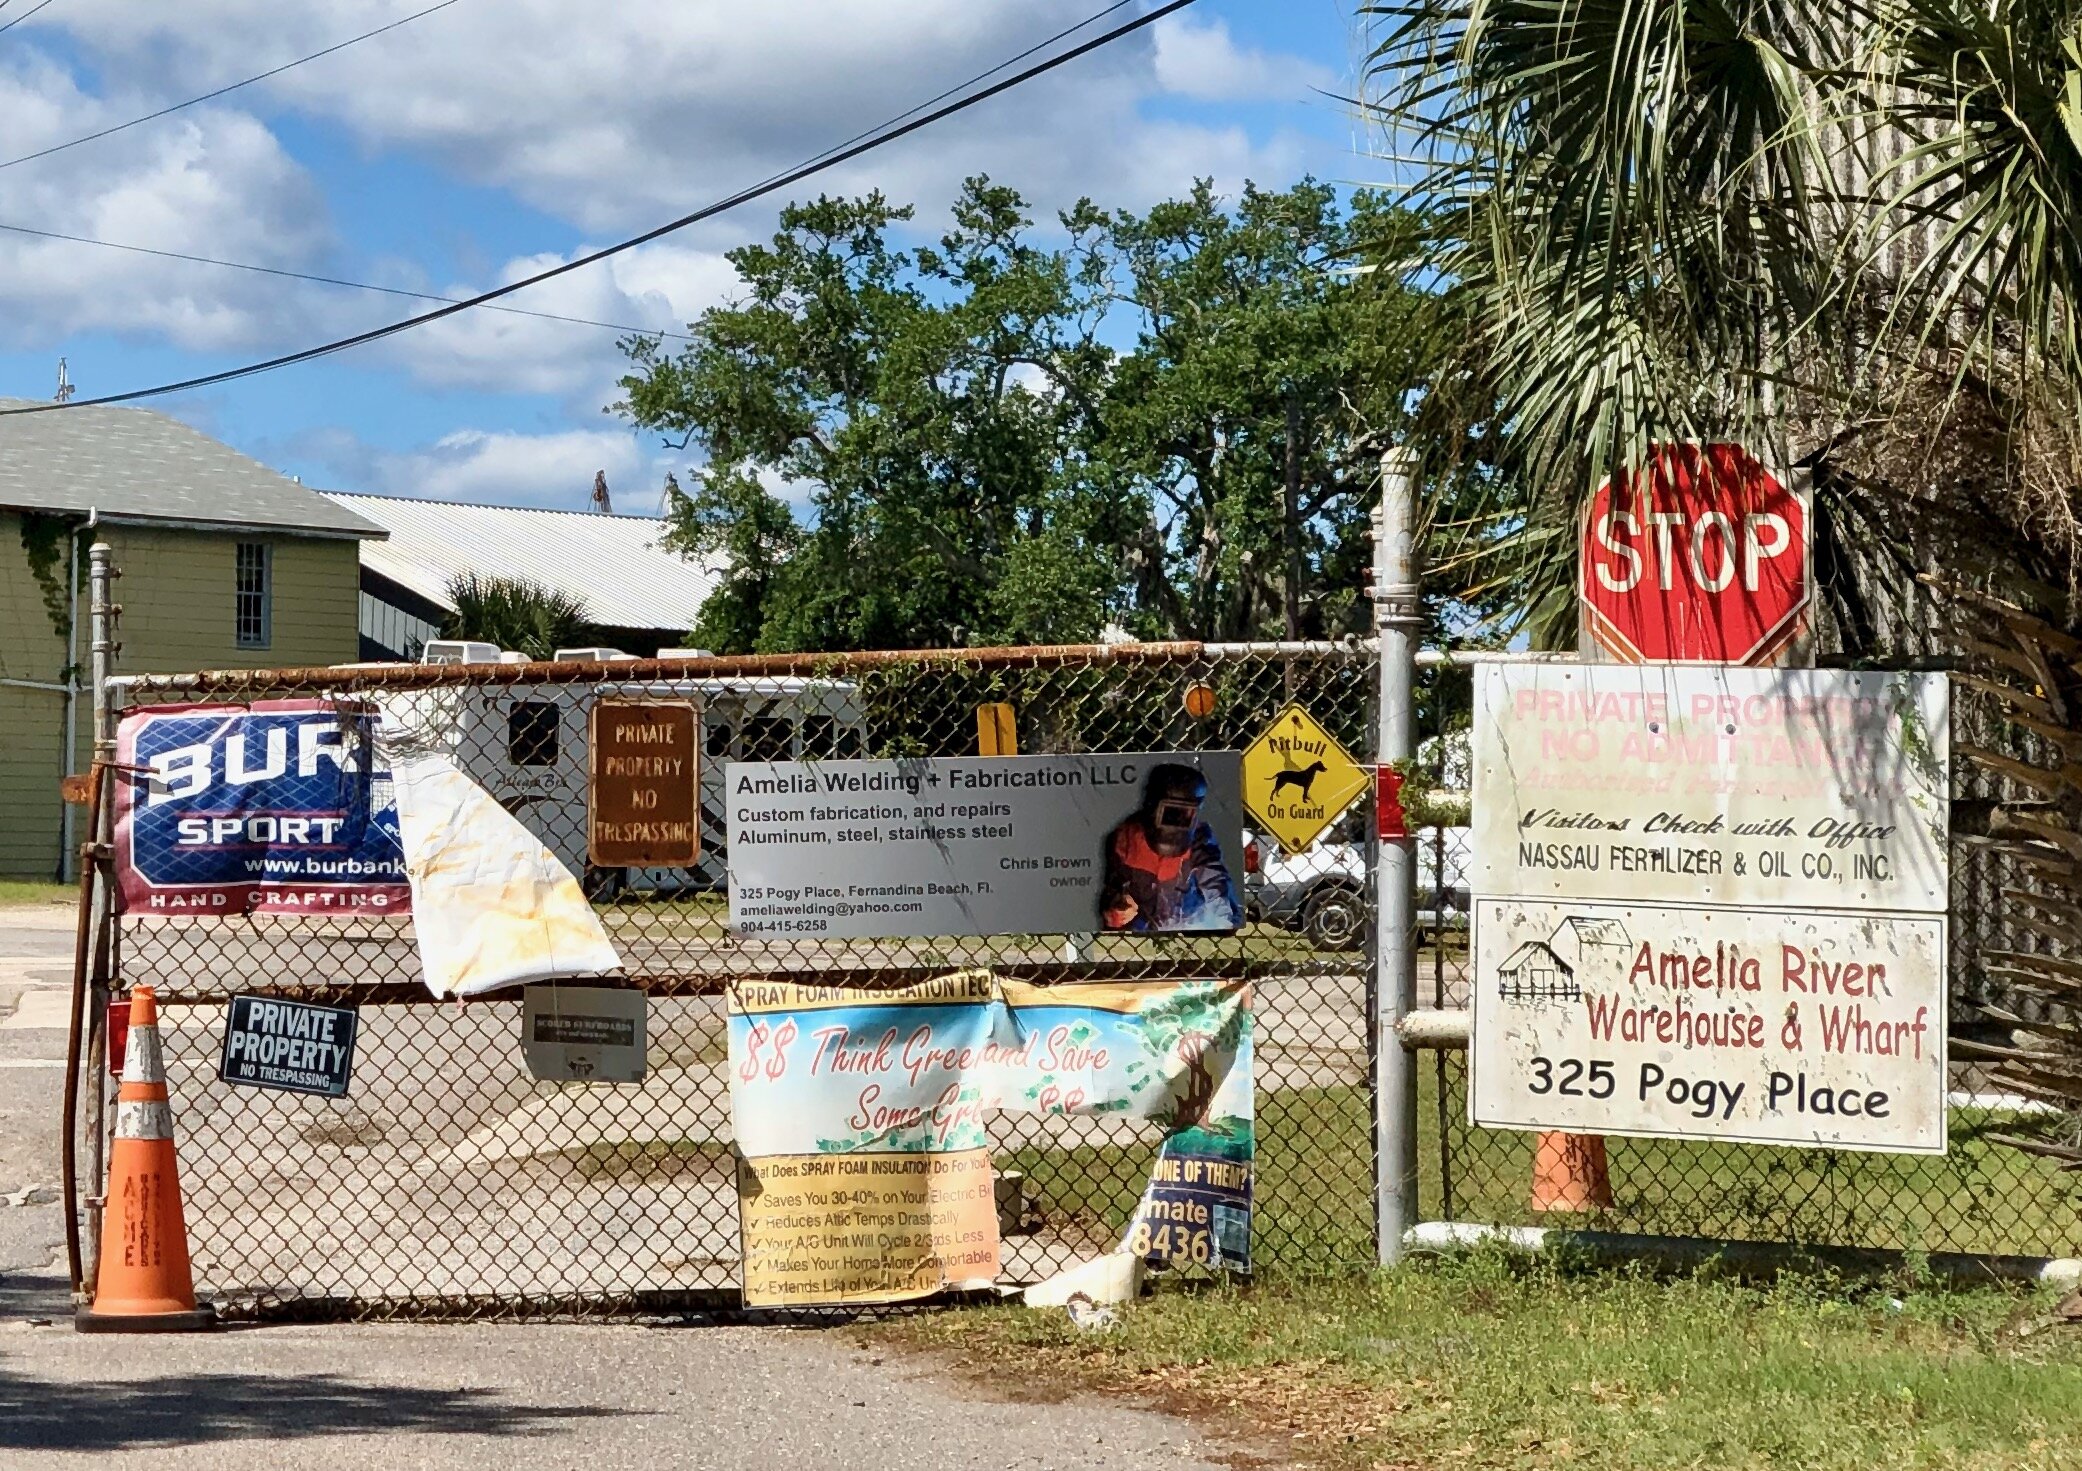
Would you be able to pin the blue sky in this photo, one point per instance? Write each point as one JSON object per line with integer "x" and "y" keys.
{"x": 497, "y": 136}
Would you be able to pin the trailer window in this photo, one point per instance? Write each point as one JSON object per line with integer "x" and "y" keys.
{"x": 531, "y": 733}
{"x": 717, "y": 743}
{"x": 820, "y": 736}
{"x": 768, "y": 738}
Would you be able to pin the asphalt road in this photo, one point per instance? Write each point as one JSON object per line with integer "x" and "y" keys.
{"x": 440, "y": 1396}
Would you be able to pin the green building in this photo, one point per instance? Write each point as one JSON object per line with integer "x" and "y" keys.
{"x": 223, "y": 562}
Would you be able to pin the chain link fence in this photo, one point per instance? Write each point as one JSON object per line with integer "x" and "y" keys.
{"x": 449, "y": 1181}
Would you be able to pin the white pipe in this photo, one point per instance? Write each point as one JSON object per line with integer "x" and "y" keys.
{"x": 67, "y": 841}
{"x": 1437, "y": 1031}
{"x": 1745, "y": 1258}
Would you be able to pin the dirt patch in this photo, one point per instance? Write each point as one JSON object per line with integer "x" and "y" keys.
{"x": 657, "y": 1159}
{"x": 1300, "y": 1414}
{"x": 344, "y": 1133}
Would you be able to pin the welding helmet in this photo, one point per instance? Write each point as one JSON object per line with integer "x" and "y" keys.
{"x": 1171, "y": 801}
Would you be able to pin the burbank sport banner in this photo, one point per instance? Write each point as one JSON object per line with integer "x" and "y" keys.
{"x": 861, "y": 1121}
{"x": 318, "y": 807}
{"x": 279, "y": 806}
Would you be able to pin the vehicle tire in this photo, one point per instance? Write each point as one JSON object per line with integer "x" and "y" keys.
{"x": 1334, "y": 917}
{"x": 604, "y": 884}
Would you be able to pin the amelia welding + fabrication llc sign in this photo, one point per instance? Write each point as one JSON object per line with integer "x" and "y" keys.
{"x": 280, "y": 806}
{"x": 292, "y": 1046}
{"x": 1147, "y": 842}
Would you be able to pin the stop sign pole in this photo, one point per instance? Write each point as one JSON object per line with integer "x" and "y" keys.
{"x": 1702, "y": 556}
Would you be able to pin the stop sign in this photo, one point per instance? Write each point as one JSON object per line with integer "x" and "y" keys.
{"x": 1703, "y": 557}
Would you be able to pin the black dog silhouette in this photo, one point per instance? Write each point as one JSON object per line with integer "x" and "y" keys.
{"x": 1305, "y": 778}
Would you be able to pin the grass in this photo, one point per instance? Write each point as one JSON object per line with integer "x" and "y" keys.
{"x": 23, "y": 891}
{"x": 1315, "y": 1192}
{"x": 1480, "y": 1365}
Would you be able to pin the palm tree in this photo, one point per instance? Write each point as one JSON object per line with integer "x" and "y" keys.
{"x": 1844, "y": 232}
{"x": 1849, "y": 233}
{"x": 515, "y": 614}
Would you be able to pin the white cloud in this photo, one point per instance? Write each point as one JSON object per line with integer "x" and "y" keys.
{"x": 654, "y": 287}
{"x": 512, "y": 468}
{"x": 1201, "y": 61}
{"x": 212, "y": 182}
{"x": 609, "y": 117}
{"x": 628, "y": 113}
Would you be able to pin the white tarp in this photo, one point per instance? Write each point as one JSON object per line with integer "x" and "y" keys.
{"x": 491, "y": 906}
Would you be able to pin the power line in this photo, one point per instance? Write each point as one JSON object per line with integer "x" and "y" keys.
{"x": 23, "y": 16}
{"x": 880, "y": 138}
{"x": 239, "y": 265}
{"x": 221, "y": 91}
{"x": 234, "y": 265}
{"x": 981, "y": 76}
{"x": 206, "y": 260}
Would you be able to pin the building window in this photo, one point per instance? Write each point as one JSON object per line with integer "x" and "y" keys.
{"x": 531, "y": 733}
{"x": 254, "y": 610}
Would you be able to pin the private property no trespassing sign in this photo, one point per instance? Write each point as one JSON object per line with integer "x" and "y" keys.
{"x": 290, "y": 1045}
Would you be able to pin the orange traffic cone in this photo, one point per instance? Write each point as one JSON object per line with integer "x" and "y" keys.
{"x": 144, "y": 1285}
{"x": 1569, "y": 1173}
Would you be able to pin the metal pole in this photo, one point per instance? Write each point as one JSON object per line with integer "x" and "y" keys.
{"x": 1398, "y": 616}
{"x": 102, "y": 623}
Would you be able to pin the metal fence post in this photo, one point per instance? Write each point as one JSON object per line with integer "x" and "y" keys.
{"x": 1398, "y": 617}
{"x": 101, "y": 602}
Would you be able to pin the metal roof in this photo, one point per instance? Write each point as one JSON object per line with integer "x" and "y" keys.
{"x": 135, "y": 465}
{"x": 613, "y": 563}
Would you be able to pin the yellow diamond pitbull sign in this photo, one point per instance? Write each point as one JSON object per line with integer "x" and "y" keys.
{"x": 1297, "y": 779}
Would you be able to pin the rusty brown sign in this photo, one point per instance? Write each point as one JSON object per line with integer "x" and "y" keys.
{"x": 644, "y": 791}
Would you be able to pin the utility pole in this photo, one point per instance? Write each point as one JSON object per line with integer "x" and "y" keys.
{"x": 102, "y": 646}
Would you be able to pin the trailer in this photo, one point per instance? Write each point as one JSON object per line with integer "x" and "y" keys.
{"x": 528, "y": 745}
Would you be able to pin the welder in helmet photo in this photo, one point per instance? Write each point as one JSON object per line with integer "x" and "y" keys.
{"x": 1164, "y": 866}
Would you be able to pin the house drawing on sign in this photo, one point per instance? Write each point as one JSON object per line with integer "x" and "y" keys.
{"x": 1547, "y": 970}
